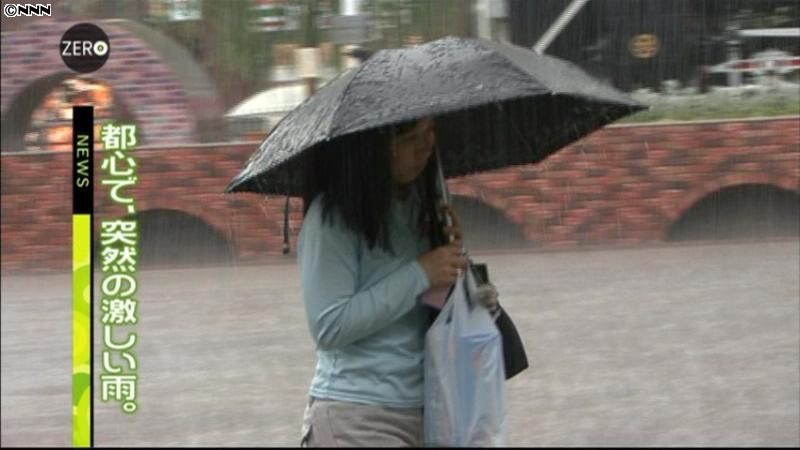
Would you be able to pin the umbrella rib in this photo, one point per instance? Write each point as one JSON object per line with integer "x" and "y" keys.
{"x": 616, "y": 98}
{"x": 341, "y": 98}
{"x": 513, "y": 64}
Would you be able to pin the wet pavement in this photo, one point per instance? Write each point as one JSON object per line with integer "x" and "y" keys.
{"x": 694, "y": 345}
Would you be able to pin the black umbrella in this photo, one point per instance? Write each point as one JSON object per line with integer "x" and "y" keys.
{"x": 495, "y": 105}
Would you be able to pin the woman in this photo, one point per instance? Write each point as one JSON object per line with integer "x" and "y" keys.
{"x": 370, "y": 245}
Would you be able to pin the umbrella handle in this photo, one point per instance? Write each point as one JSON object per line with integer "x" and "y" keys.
{"x": 444, "y": 194}
{"x": 442, "y": 185}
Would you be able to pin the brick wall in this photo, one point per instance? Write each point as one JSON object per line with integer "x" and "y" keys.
{"x": 623, "y": 185}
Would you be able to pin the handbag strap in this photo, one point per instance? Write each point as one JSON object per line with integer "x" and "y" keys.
{"x": 465, "y": 281}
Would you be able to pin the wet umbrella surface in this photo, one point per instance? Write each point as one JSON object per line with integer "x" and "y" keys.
{"x": 495, "y": 105}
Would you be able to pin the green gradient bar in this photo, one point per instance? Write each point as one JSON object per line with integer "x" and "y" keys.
{"x": 81, "y": 329}
{"x": 82, "y": 317}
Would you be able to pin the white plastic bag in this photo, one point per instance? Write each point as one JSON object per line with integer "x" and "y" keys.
{"x": 464, "y": 374}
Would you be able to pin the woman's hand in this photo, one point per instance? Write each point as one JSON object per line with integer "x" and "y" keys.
{"x": 442, "y": 264}
{"x": 487, "y": 295}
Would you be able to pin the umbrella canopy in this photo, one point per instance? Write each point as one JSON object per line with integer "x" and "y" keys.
{"x": 495, "y": 105}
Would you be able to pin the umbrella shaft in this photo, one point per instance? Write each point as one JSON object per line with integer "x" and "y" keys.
{"x": 444, "y": 194}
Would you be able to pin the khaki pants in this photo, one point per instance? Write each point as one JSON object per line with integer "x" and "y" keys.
{"x": 328, "y": 423}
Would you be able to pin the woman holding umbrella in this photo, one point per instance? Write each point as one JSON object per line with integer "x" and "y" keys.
{"x": 371, "y": 242}
{"x": 368, "y": 249}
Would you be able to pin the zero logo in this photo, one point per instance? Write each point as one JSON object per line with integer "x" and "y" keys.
{"x": 84, "y": 48}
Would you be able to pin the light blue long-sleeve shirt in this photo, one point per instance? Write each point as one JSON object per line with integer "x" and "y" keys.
{"x": 362, "y": 308}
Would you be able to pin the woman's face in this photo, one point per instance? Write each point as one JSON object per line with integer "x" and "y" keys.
{"x": 411, "y": 151}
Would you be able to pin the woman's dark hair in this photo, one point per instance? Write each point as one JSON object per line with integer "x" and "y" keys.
{"x": 355, "y": 176}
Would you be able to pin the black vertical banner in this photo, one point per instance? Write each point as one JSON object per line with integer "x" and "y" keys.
{"x": 83, "y": 159}
{"x": 82, "y": 285}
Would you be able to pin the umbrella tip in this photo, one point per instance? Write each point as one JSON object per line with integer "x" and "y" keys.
{"x": 230, "y": 187}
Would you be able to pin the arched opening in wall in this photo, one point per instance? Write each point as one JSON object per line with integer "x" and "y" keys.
{"x": 747, "y": 211}
{"x": 487, "y": 228}
{"x": 40, "y": 116}
{"x": 170, "y": 238}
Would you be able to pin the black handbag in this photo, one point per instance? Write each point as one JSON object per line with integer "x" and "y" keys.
{"x": 514, "y": 356}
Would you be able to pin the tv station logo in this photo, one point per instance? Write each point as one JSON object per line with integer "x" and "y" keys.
{"x": 84, "y": 48}
{"x": 27, "y": 10}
